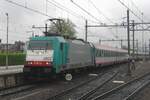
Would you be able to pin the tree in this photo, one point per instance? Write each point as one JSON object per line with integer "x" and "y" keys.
{"x": 63, "y": 27}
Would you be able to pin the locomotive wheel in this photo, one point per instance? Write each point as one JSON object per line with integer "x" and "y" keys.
{"x": 68, "y": 76}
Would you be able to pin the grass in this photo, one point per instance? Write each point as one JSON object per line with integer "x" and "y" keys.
{"x": 13, "y": 58}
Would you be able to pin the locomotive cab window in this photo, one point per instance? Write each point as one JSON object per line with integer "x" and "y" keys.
{"x": 39, "y": 45}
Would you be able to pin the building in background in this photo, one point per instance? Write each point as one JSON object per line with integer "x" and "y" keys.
{"x": 18, "y": 46}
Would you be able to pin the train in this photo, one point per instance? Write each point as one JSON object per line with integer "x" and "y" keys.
{"x": 51, "y": 55}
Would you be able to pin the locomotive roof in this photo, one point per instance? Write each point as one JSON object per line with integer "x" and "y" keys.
{"x": 109, "y": 48}
{"x": 48, "y": 38}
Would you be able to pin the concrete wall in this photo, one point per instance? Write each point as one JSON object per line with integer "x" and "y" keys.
{"x": 11, "y": 80}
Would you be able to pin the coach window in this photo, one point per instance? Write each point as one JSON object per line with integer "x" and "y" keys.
{"x": 96, "y": 52}
{"x": 102, "y": 53}
{"x": 111, "y": 53}
{"x": 107, "y": 53}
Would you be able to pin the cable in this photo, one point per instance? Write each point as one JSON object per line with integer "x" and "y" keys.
{"x": 30, "y": 9}
{"x": 141, "y": 19}
{"x": 12, "y": 2}
{"x": 136, "y": 7}
{"x": 33, "y": 10}
{"x": 130, "y": 10}
{"x": 86, "y": 11}
{"x": 100, "y": 12}
{"x": 68, "y": 10}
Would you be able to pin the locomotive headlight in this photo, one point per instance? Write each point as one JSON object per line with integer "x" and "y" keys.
{"x": 29, "y": 62}
{"x": 47, "y": 63}
{"x": 40, "y": 53}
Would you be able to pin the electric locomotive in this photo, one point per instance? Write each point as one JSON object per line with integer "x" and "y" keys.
{"x": 48, "y": 55}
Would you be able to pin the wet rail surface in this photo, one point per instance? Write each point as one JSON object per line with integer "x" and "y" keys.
{"x": 16, "y": 90}
{"x": 127, "y": 90}
{"x": 9, "y": 91}
{"x": 78, "y": 91}
{"x": 82, "y": 90}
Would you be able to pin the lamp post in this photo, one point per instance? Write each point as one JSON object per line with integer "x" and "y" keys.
{"x": 7, "y": 42}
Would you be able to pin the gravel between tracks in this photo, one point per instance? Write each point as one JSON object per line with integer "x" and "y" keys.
{"x": 144, "y": 94}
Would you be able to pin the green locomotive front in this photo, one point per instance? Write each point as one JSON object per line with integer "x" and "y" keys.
{"x": 47, "y": 55}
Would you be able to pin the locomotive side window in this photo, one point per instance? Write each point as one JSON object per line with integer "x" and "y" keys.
{"x": 61, "y": 46}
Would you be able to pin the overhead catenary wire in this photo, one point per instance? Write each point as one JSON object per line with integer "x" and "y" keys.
{"x": 101, "y": 13}
{"x": 36, "y": 11}
{"x": 42, "y": 13}
{"x": 141, "y": 19}
{"x": 60, "y": 6}
{"x": 28, "y": 8}
{"x": 86, "y": 11}
{"x": 136, "y": 7}
{"x": 131, "y": 10}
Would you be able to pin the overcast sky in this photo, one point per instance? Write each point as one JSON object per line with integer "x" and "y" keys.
{"x": 111, "y": 11}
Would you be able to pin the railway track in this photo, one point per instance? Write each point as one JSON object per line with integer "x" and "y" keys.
{"x": 127, "y": 90}
{"x": 16, "y": 90}
{"x": 4, "y": 92}
{"x": 24, "y": 92}
{"x": 91, "y": 85}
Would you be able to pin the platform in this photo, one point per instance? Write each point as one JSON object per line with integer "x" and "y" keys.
{"x": 11, "y": 69}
